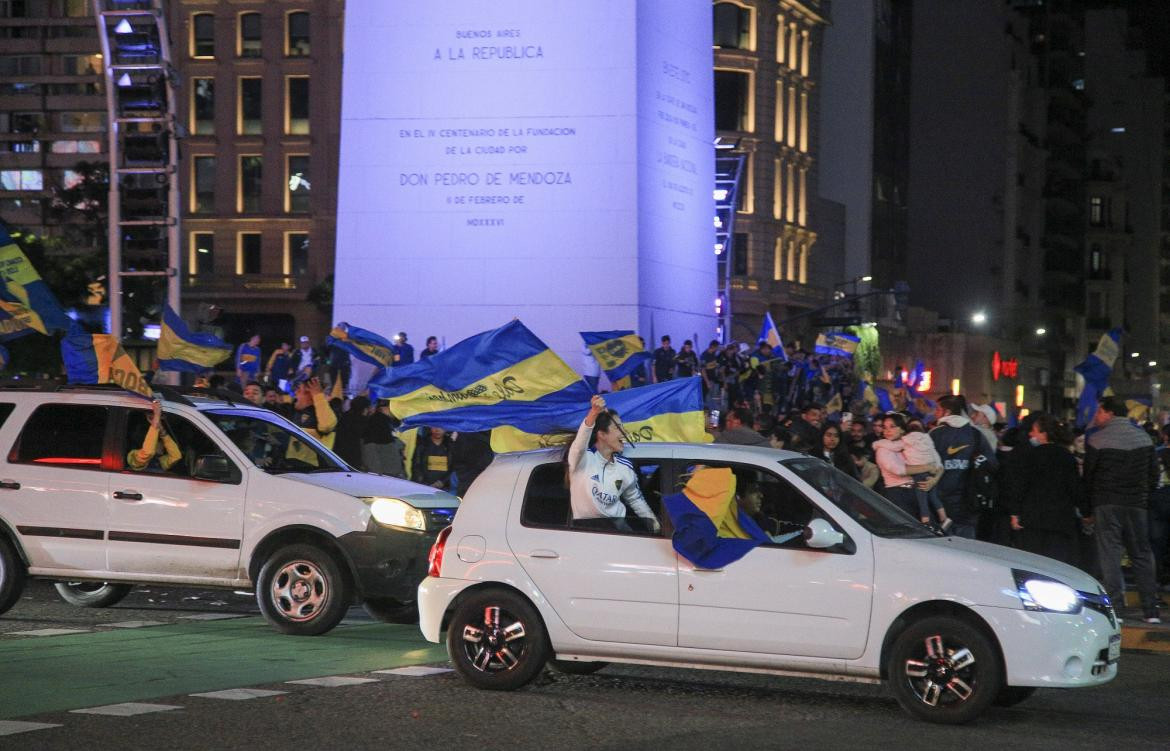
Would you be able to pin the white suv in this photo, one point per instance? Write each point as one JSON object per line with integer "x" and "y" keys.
{"x": 236, "y": 510}
{"x": 866, "y": 593}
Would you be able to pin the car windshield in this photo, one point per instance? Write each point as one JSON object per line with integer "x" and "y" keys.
{"x": 274, "y": 444}
{"x": 873, "y": 512}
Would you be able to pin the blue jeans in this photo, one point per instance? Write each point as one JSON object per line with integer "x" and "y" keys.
{"x": 1120, "y": 529}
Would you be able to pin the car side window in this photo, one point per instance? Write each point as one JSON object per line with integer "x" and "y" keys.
{"x": 63, "y": 435}
{"x": 187, "y": 445}
{"x": 547, "y": 501}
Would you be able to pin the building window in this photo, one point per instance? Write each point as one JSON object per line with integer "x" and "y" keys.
{"x": 804, "y": 52}
{"x": 78, "y": 8}
{"x": 802, "y": 212}
{"x": 791, "y": 134}
{"x": 790, "y": 185}
{"x": 22, "y": 179}
{"x": 203, "y": 106}
{"x": 739, "y": 254}
{"x": 1096, "y": 211}
{"x": 203, "y": 177}
{"x": 298, "y": 34}
{"x": 248, "y": 253}
{"x": 203, "y": 35}
{"x": 251, "y": 174}
{"x": 81, "y": 65}
{"x": 793, "y": 44}
{"x": 779, "y": 112}
{"x": 250, "y": 34}
{"x": 20, "y": 65}
{"x": 250, "y": 106}
{"x": 791, "y": 260}
{"x": 803, "y": 263}
{"x": 804, "y": 121}
{"x": 745, "y": 196}
{"x": 75, "y": 147}
{"x": 778, "y": 260}
{"x": 781, "y": 38}
{"x": 296, "y": 253}
{"x": 296, "y": 198}
{"x": 733, "y": 100}
{"x": 201, "y": 257}
{"x": 297, "y": 105}
{"x": 733, "y": 26}
{"x": 778, "y": 190}
{"x": 81, "y": 122}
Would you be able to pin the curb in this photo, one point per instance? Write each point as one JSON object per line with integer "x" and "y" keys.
{"x": 1145, "y": 638}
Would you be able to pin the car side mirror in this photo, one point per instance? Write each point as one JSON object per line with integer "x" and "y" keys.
{"x": 820, "y": 534}
{"x": 214, "y": 468}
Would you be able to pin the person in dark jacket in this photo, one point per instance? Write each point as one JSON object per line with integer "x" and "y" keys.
{"x": 738, "y": 430}
{"x": 432, "y": 460}
{"x": 1121, "y": 470}
{"x": 350, "y": 427}
{"x": 471, "y": 453}
{"x": 383, "y": 453}
{"x": 959, "y": 445}
{"x": 1045, "y": 498}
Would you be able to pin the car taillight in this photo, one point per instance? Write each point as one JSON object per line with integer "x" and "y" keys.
{"x": 435, "y": 559}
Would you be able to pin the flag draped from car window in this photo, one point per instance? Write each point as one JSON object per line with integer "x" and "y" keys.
{"x": 671, "y": 411}
{"x": 837, "y": 343}
{"x": 619, "y": 353}
{"x": 499, "y": 377}
{"x": 1095, "y": 369}
{"x": 27, "y": 305}
{"x": 181, "y": 349}
{"x": 709, "y": 529}
{"x": 362, "y": 344}
{"x": 99, "y": 358}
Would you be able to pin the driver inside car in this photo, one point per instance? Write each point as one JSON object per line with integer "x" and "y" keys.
{"x": 159, "y": 452}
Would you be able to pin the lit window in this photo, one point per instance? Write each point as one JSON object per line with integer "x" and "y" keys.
{"x": 778, "y": 260}
{"x": 201, "y": 258}
{"x": 78, "y": 8}
{"x": 81, "y": 122}
{"x": 22, "y": 179}
{"x": 250, "y": 34}
{"x": 76, "y": 147}
{"x": 298, "y": 34}
{"x": 248, "y": 253}
{"x": 203, "y": 176}
{"x": 251, "y": 175}
{"x": 779, "y": 112}
{"x": 203, "y": 106}
{"x": 203, "y": 35}
{"x": 297, "y": 197}
{"x": 250, "y": 106}
{"x": 297, "y": 101}
{"x": 804, "y": 121}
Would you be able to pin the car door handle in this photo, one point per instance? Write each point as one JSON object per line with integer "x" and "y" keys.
{"x": 544, "y": 554}
{"x": 127, "y": 495}
{"x": 9, "y": 485}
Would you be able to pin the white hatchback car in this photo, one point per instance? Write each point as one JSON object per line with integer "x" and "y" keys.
{"x": 866, "y": 593}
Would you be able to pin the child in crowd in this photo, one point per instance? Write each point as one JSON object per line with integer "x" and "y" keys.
{"x": 923, "y": 463}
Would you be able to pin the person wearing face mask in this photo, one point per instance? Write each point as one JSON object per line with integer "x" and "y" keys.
{"x": 1047, "y": 497}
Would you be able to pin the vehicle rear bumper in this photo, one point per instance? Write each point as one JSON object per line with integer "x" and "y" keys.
{"x": 435, "y": 596}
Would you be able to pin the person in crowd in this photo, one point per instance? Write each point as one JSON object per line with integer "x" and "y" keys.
{"x": 383, "y": 452}
{"x": 664, "y": 362}
{"x": 277, "y": 401}
{"x": 960, "y": 445}
{"x": 712, "y": 377}
{"x": 833, "y": 450}
{"x": 1045, "y": 501}
{"x": 471, "y": 453}
{"x": 158, "y": 452}
{"x": 686, "y": 363}
{"x": 311, "y": 413}
{"x": 351, "y": 426}
{"x": 248, "y": 360}
{"x": 731, "y": 365}
{"x": 1160, "y": 507}
{"x": 305, "y": 359}
{"x": 1121, "y": 470}
{"x": 861, "y": 434}
{"x": 432, "y": 459}
{"x": 602, "y": 482}
{"x": 984, "y": 417}
{"x": 923, "y": 464}
{"x": 898, "y": 485}
{"x": 638, "y": 375}
{"x": 431, "y": 349}
{"x": 403, "y": 351}
{"x": 280, "y": 367}
{"x": 780, "y": 438}
{"x": 337, "y": 361}
{"x": 254, "y": 393}
{"x": 867, "y": 471}
{"x": 1012, "y": 448}
{"x": 808, "y": 427}
{"x": 737, "y": 429}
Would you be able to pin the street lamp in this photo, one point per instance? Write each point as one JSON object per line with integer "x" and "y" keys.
{"x": 1041, "y": 331}
{"x": 979, "y": 318}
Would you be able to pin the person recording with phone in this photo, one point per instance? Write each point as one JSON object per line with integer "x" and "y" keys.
{"x": 159, "y": 451}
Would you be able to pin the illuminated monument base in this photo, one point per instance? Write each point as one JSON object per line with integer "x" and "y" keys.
{"x": 520, "y": 158}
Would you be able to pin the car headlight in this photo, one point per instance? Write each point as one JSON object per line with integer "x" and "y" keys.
{"x": 396, "y": 513}
{"x": 1039, "y": 592}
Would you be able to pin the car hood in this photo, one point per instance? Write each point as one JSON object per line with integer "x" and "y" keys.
{"x": 362, "y": 485}
{"x": 963, "y": 552}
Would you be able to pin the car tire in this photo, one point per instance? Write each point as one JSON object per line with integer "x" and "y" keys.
{"x": 1010, "y": 696}
{"x": 12, "y": 575}
{"x": 942, "y": 669}
{"x": 302, "y": 591}
{"x": 92, "y": 594}
{"x": 388, "y": 610}
{"x": 497, "y": 640}
{"x": 577, "y": 667}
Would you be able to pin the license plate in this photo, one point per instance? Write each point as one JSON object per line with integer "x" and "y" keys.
{"x": 1114, "y": 648}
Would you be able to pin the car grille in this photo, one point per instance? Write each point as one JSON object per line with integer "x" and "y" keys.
{"x": 1100, "y": 603}
{"x": 439, "y": 518}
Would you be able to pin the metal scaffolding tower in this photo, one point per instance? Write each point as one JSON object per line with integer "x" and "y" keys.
{"x": 729, "y": 161}
{"x": 144, "y": 237}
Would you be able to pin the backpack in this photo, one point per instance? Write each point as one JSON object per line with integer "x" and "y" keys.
{"x": 981, "y": 489}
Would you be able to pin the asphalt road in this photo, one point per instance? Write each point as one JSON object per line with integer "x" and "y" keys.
{"x": 622, "y": 707}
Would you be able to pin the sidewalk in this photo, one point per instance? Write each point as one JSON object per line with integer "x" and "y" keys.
{"x": 1144, "y": 636}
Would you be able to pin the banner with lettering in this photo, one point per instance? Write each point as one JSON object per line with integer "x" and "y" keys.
{"x": 99, "y": 358}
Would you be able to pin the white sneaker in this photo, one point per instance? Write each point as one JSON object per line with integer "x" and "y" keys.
{"x": 1152, "y": 619}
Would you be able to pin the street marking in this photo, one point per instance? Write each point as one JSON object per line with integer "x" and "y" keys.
{"x": 415, "y": 671}
{"x": 134, "y": 624}
{"x": 212, "y": 616}
{"x": 239, "y": 694}
{"x": 50, "y": 632}
{"x": 12, "y": 727}
{"x": 129, "y": 709}
{"x": 334, "y": 680}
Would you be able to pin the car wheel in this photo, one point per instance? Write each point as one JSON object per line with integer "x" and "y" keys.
{"x": 944, "y": 670}
{"x": 388, "y": 610}
{"x": 577, "y": 667}
{"x": 301, "y": 590}
{"x": 1010, "y": 696}
{"x": 92, "y": 594}
{"x": 497, "y": 640}
{"x": 12, "y": 576}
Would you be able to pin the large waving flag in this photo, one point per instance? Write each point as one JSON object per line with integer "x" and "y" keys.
{"x": 181, "y": 349}
{"x": 500, "y": 377}
{"x": 362, "y": 344}
{"x": 99, "y": 358}
{"x": 1096, "y": 369}
{"x": 837, "y": 343}
{"x": 709, "y": 529}
{"x": 671, "y": 411}
{"x": 27, "y": 305}
{"x": 770, "y": 334}
{"x": 618, "y": 352}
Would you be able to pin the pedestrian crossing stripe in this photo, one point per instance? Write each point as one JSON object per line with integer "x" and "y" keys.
{"x": 126, "y": 709}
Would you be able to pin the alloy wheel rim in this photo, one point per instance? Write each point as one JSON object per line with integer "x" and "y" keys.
{"x": 495, "y": 642}
{"x": 86, "y": 587}
{"x": 944, "y": 675}
{"x": 300, "y": 591}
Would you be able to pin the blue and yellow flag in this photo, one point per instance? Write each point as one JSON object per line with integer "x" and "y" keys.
{"x": 618, "y": 352}
{"x": 770, "y": 334}
{"x": 181, "y": 349}
{"x": 1138, "y": 409}
{"x": 667, "y": 412}
{"x": 500, "y": 377}
{"x": 27, "y": 305}
{"x": 1096, "y": 369}
{"x": 99, "y": 358}
{"x": 837, "y": 343}
{"x": 709, "y": 529}
{"x": 362, "y": 344}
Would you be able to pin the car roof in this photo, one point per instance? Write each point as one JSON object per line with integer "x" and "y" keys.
{"x": 201, "y": 399}
{"x": 716, "y": 451}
